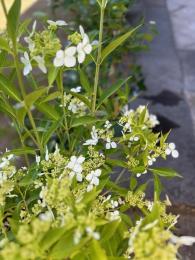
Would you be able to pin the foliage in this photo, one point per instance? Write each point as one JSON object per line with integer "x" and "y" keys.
{"x": 68, "y": 201}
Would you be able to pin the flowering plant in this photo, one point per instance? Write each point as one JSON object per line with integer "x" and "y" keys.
{"x": 71, "y": 195}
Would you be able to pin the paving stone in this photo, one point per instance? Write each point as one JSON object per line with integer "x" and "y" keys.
{"x": 183, "y": 18}
{"x": 188, "y": 65}
{"x": 165, "y": 96}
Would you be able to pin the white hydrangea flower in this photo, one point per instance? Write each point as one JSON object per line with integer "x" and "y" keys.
{"x": 151, "y": 160}
{"x": 171, "y": 149}
{"x": 47, "y": 216}
{"x": 75, "y": 165}
{"x": 107, "y": 124}
{"x": 93, "y": 179}
{"x": 84, "y": 47}
{"x": 76, "y": 90}
{"x": 41, "y": 63}
{"x": 153, "y": 120}
{"x": 31, "y": 44}
{"x": 95, "y": 235}
{"x": 94, "y": 137}
{"x": 114, "y": 203}
{"x": 46, "y": 154}
{"x": 183, "y": 240}
{"x": 57, "y": 23}
{"x": 27, "y": 64}
{"x": 115, "y": 215}
{"x": 66, "y": 58}
{"x": 38, "y": 159}
{"x": 110, "y": 144}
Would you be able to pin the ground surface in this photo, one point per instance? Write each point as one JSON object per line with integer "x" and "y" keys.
{"x": 169, "y": 69}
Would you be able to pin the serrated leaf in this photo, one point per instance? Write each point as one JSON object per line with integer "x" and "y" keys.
{"x": 110, "y": 91}
{"x": 117, "y": 42}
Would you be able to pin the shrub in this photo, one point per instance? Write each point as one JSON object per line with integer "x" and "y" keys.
{"x": 68, "y": 201}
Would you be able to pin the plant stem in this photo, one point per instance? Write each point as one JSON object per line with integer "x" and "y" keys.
{"x": 64, "y": 112}
{"x": 4, "y": 7}
{"x": 98, "y": 62}
{"x": 21, "y": 85}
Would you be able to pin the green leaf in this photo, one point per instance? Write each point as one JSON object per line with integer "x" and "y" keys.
{"x": 31, "y": 98}
{"x": 81, "y": 98}
{"x": 4, "y": 45}
{"x": 133, "y": 183}
{"x": 8, "y": 89}
{"x": 117, "y": 42}
{"x": 51, "y": 237}
{"x": 97, "y": 252}
{"x": 49, "y": 111}
{"x": 52, "y": 74}
{"x": 165, "y": 172}
{"x": 21, "y": 151}
{"x": 20, "y": 114}
{"x": 51, "y": 97}
{"x": 13, "y": 20}
{"x": 110, "y": 91}
{"x": 7, "y": 109}
{"x": 84, "y": 120}
{"x": 157, "y": 186}
{"x": 114, "y": 162}
{"x": 49, "y": 132}
{"x": 84, "y": 81}
{"x": 109, "y": 230}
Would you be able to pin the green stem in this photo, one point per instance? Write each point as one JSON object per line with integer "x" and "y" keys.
{"x": 21, "y": 85}
{"x": 4, "y": 7}
{"x": 61, "y": 87}
{"x": 98, "y": 62}
{"x": 22, "y": 143}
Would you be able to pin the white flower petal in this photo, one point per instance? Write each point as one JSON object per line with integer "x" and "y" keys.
{"x": 175, "y": 154}
{"x": 61, "y": 23}
{"x": 168, "y": 151}
{"x": 88, "y": 49}
{"x": 89, "y": 187}
{"x": 82, "y": 32}
{"x": 70, "y": 51}
{"x": 172, "y": 146}
{"x": 81, "y": 159}
{"x": 95, "y": 181}
{"x": 69, "y": 61}
{"x": 89, "y": 177}
{"x": 27, "y": 69}
{"x": 79, "y": 177}
{"x": 97, "y": 172}
{"x": 81, "y": 56}
{"x": 113, "y": 145}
